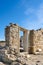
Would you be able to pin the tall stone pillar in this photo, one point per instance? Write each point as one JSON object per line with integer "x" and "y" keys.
{"x": 12, "y": 37}
{"x": 25, "y": 41}
{"x": 31, "y": 41}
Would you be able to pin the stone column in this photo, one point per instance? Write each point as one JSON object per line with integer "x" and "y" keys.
{"x": 31, "y": 41}
{"x": 25, "y": 41}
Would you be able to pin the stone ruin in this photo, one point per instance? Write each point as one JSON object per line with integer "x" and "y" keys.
{"x": 32, "y": 39}
{"x": 13, "y": 39}
{"x": 32, "y": 44}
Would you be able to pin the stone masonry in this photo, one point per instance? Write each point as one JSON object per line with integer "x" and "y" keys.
{"x": 10, "y": 53}
{"x": 32, "y": 39}
{"x": 38, "y": 40}
{"x": 12, "y": 37}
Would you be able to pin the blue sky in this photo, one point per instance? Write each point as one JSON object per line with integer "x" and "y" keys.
{"x": 26, "y": 13}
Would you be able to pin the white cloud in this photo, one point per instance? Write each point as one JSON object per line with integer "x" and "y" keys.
{"x": 29, "y": 11}
{"x": 39, "y": 14}
{"x": 38, "y": 22}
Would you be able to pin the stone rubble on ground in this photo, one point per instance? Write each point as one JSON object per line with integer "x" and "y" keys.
{"x": 11, "y": 55}
{"x": 1, "y": 63}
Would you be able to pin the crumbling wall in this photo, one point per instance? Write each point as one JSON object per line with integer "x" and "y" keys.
{"x": 38, "y": 40}
{"x": 32, "y": 40}
{"x": 12, "y": 37}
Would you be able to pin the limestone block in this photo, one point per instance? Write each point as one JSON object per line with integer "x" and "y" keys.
{"x": 8, "y": 58}
{"x": 16, "y": 63}
{"x": 1, "y": 63}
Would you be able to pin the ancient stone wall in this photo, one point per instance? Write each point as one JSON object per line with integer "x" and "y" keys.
{"x": 7, "y": 35}
{"x": 32, "y": 40}
{"x": 38, "y": 40}
{"x": 12, "y": 37}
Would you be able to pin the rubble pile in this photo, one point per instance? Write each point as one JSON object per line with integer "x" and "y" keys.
{"x": 11, "y": 57}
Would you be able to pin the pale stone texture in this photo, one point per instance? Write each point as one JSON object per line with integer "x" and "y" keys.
{"x": 2, "y": 44}
{"x": 36, "y": 41}
{"x": 32, "y": 40}
{"x": 12, "y": 37}
{"x": 1, "y": 63}
{"x": 33, "y": 43}
{"x": 25, "y": 41}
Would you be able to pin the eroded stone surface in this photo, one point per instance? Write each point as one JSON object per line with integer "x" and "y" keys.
{"x": 12, "y": 37}
{"x": 1, "y": 63}
{"x": 33, "y": 43}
